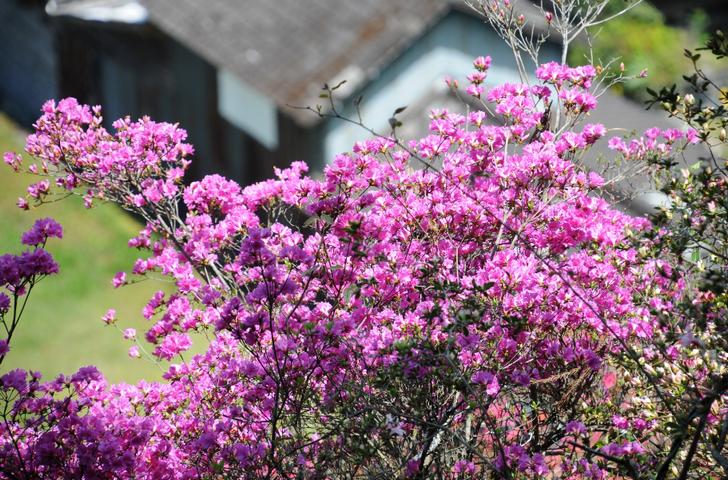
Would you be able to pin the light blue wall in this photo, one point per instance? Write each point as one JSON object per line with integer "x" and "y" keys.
{"x": 448, "y": 49}
{"x": 247, "y": 109}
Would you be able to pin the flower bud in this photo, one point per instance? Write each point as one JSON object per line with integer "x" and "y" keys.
{"x": 110, "y": 316}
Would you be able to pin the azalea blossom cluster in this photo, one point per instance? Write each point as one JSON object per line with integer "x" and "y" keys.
{"x": 448, "y": 308}
{"x": 654, "y": 143}
{"x": 20, "y": 273}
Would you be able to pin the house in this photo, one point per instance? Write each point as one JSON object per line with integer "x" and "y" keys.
{"x": 232, "y": 71}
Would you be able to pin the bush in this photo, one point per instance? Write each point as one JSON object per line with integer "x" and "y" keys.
{"x": 459, "y": 321}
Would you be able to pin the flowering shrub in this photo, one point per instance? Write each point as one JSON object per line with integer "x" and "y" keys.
{"x": 689, "y": 396}
{"x": 393, "y": 319}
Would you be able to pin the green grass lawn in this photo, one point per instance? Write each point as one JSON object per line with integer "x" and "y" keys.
{"x": 61, "y": 329}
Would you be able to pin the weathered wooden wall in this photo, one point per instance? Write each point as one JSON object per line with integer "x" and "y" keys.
{"x": 28, "y": 68}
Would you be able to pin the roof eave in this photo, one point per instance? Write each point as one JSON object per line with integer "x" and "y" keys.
{"x": 128, "y": 12}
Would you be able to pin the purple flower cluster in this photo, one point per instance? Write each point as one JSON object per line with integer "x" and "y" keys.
{"x": 19, "y": 273}
{"x": 16, "y": 270}
{"x": 42, "y": 230}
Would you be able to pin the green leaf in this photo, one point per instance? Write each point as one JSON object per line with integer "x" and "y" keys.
{"x": 310, "y": 221}
{"x": 351, "y": 291}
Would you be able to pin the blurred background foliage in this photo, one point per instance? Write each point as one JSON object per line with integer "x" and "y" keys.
{"x": 642, "y": 39}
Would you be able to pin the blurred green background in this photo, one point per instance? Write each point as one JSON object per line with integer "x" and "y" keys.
{"x": 61, "y": 329}
{"x": 641, "y": 39}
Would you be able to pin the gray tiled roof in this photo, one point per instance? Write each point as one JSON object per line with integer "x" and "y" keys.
{"x": 287, "y": 49}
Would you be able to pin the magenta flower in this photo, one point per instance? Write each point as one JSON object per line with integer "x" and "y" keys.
{"x": 119, "y": 279}
{"x": 172, "y": 345}
{"x": 109, "y": 317}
